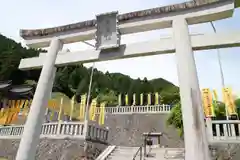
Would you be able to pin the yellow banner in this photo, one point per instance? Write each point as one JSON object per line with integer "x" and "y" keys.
{"x": 208, "y": 103}
{"x": 149, "y": 99}
{"x": 4, "y": 115}
{"x": 126, "y": 100}
{"x": 82, "y": 106}
{"x": 102, "y": 114}
{"x": 72, "y": 107}
{"x": 134, "y": 99}
{"x": 120, "y": 99}
{"x": 141, "y": 99}
{"x": 92, "y": 110}
{"x": 26, "y": 107}
{"x": 229, "y": 102}
{"x": 13, "y": 111}
{"x": 156, "y": 98}
{"x": 53, "y": 104}
{"x": 61, "y": 110}
{"x": 17, "y": 108}
{"x": 2, "y": 112}
{"x": 11, "y": 106}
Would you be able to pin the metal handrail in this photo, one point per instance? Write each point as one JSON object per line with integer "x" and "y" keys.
{"x": 139, "y": 150}
{"x": 144, "y": 143}
{"x": 106, "y": 153}
{"x": 142, "y": 155}
{"x": 149, "y": 152}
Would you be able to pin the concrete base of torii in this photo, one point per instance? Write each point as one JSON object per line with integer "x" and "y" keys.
{"x": 196, "y": 145}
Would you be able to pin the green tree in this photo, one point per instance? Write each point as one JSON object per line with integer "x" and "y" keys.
{"x": 10, "y": 55}
{"x": 237, "y": 103}
{"x": 175, "y": 117}
{"x": 111, "y": 98}
{"x": 170, "y": 96}
{"x": 74, "y": 80}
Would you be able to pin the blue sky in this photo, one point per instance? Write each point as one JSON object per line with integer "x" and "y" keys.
{"x": 18, "y": 14}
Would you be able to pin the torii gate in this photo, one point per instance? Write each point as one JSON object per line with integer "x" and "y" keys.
{"x": 109, "y": 27}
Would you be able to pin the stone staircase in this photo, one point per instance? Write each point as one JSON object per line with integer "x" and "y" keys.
{"x": 130, "y": 153}
{"x": 126, "y": 134}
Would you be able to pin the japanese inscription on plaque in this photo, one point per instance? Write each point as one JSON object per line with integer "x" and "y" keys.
{"x": 107, "y": 35}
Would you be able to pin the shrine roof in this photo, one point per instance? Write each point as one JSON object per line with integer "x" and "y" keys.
{"x": 5, "y": 85}
{"x": 9, "y": 90}
{"x": 122, "y": 18}
{"x": 21, "y": 89}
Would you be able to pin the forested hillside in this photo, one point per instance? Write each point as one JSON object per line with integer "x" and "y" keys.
{"x": 74, "y": 80}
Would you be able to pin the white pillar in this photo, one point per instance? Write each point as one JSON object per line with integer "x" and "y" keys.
{"x": 30, "y": 138}
{"x": 195, "y": 139}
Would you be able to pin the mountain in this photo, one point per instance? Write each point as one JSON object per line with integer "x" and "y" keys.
{"x": 75, "y": 79}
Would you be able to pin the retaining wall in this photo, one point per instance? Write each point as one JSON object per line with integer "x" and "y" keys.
{"x": 127, "y": 129}
{"x": 53, "y": 149}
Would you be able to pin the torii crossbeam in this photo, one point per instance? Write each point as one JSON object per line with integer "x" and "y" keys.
{"x": 148, "y": 48}
{"x": 177, "y": 16}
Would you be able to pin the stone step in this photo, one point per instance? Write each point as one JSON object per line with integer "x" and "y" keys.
{"x": 124, "y": 147}
{"x": 120, "y": 157}
{"x": 146, "y": 158}
{"x": 122, "y": 153}
{"x": 156, "y": 151}
{"x": 129, "y": 149}
{"x": 127, "y": 153}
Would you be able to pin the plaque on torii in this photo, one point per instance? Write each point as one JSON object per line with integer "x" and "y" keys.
{"x": 107, "y": 34}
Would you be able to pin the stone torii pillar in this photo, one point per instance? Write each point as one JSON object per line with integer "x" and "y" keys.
{"x": 196, "y": 145}
{"x": 30, "y": 138}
